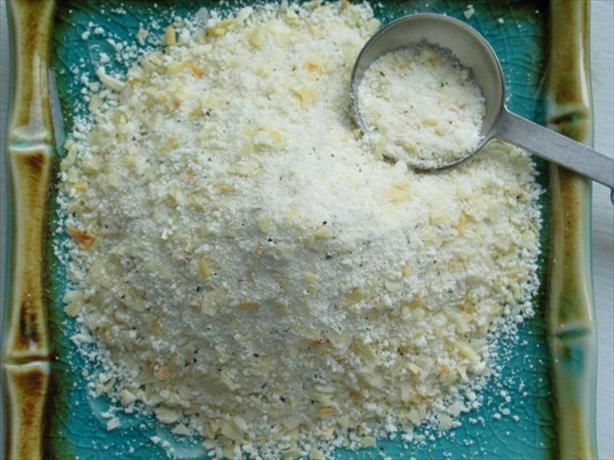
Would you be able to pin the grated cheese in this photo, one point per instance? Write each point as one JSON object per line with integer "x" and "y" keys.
{"x": 252, "y": 274}
{"x": 420, "y": 105}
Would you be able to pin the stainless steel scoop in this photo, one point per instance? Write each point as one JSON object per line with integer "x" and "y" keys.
{"x": 474, "y": 52}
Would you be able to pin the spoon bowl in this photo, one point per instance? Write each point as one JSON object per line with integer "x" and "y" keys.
{"x": 474, "y": 52}
{"x": 471, "y": 49}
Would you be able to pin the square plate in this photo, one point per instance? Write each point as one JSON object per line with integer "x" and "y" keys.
{"x": 549, "y": 373}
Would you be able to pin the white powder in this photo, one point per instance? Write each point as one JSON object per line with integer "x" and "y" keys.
{"x": 420, "y": 105}
{"x": 252, "y": 273}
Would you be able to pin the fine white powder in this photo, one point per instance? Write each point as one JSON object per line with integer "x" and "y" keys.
{"x": 251, "y": 273}
{"x": 420, "y": 105}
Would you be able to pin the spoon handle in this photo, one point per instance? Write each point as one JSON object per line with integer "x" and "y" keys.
{"x": 554, "y": 147}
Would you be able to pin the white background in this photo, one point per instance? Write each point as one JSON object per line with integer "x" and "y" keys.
{"x": 602, "y": 59}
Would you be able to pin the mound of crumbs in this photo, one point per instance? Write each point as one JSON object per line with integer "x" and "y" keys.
{"x": 250, "y": 273}
{"x": 420, "y": 105}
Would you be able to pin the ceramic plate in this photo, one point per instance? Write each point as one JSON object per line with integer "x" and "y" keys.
{"x": 549, "y": 373}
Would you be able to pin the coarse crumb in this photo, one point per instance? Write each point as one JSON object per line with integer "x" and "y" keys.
{"x": 251, "y": 273}
{"x": 420, "y": 105}
{"x": 469, "y": 12}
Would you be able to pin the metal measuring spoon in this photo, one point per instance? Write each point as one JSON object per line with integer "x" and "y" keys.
{"x": 474, "y": 52}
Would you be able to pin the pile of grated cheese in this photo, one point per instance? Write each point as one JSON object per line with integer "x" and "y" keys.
{"x": 252, "y": 273}
{"x": 420, "y": 105}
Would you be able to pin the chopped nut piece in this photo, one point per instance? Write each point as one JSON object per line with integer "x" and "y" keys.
{"x": 127, "y": 397}
{"x": 467, "y": 352}
{"x": 275, "y": 136}
{"x": 203, "y": 269}
{"x": 245, "y": 168}
{"x": 226, "y": 189}
{"x": 83, "y": 239}
{"x": 197, "y": 71}
{"x": 355, "y": 296}
{"x": 365, "y": 351}
{"x": 252, "y": 306}
{"x": 231, "y": 431}
{"x": 73, "y": 309}
{"x": 108, "y": 81}
{"x": 327, "y": 411}
{"x": 222, "y": 27}
{"x": 292, "y": 453}
{"x": 406, "y": 391}
{"x": 181, "y": 430}
{"x": 258, "y": 37}
{"x": 368, "y": 441}
{"x": 166, "y": 415}
{"x": 323, "y": 233}
{"x": 265, "y": 224}
{"x": 346, "y": 5}
{"x": 414, "y": 368}
{"x": 306, "y": 95}
{"x": 142, "y": 35}
{"x": 164, "y": 372}
{"x": 398, "y": 193}
{"x": 314, "y": 68}
{"x": 170, "y": 36}
{"x": 113, "y": 424}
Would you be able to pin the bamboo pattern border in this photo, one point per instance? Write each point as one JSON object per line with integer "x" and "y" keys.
{"x": 570, "y": 305}
{"x": 30, "y": 146}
